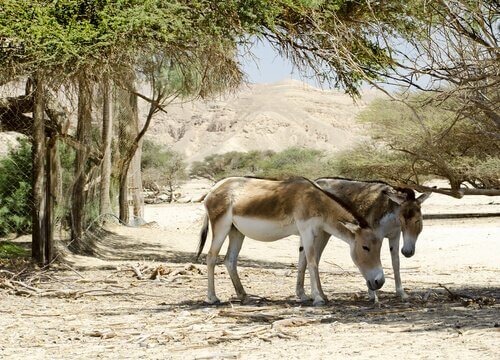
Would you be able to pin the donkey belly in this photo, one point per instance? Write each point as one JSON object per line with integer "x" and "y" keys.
{"x": 264, "y": 230}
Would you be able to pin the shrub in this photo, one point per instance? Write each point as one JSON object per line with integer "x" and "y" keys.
{"x": 15, "y": 190}
{"x": 162, "y": 167}
{"x": 294, "y": 161}
{"x": 289, "y": 162}
{"x": 9, "y": 250}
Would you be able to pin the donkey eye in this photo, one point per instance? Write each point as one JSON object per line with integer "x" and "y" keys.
{"x": 366, "y": 248}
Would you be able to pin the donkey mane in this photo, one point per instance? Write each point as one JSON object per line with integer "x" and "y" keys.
{"x": 262, "y": 178}
{"x": 347, "y": 207}
{"x": 348, "y": 179}
{"x": 410, "y": 193}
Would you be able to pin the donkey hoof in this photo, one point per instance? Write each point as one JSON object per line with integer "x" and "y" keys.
{"x": 245, "y": 299}
{"x": 304, "y": 298}
{"x": 319, "y": 302}
{"x": 403, "y": 295}
{"x": 212, "y": 300}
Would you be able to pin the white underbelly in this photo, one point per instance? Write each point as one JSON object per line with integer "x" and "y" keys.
{"x": 264, "y": 230}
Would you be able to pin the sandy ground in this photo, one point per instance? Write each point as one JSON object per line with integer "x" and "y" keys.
{"x": 99, "y": 308}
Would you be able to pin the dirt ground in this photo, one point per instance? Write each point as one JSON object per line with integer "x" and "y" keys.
{"x": 103, "y": 308}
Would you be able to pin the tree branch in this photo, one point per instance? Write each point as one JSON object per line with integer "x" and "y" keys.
{"x": 451, "y": 192}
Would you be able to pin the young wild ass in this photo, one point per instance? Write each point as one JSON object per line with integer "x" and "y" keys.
{"x": 389, "y": 211}
{"x": 268, "y": 210}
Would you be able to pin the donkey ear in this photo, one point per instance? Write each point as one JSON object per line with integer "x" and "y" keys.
{"x": 423, "y": 197}
{"x": 396, "y": 196}
{"x": 352, "y": 227}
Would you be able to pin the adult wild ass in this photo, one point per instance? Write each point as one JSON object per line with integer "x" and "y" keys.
{"x": 268, "y": 210}
{"x": 389, "y": 211}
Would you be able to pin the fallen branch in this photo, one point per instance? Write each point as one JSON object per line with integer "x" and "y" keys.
{"x": 469, "y": 300}
{"x": 137, "y": 272}
{"x": 249, "y": 316}
{"x": 76, "y": 272}
{"x": 20, "y": 283}
{"x": 390, "y": 311}
{"x": 105, "y": 334}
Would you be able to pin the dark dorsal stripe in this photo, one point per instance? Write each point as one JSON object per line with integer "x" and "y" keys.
{"x": 347, "y": 179}
{"x": 410, "y": 194}
{"x": 361, "y": 221}
{"x": 347, "y": 207}
{"x": 261, "y": 178}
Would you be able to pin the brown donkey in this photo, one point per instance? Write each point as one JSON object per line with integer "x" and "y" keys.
{"x": 390, "y": 211}
{"x": 268, "y": 210}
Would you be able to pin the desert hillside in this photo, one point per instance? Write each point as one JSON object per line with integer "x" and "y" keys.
{"x": 262, "y": 116}
{"x": 258, "y": 117}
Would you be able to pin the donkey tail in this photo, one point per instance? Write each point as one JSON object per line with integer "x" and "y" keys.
{"x": 203, "y": 236}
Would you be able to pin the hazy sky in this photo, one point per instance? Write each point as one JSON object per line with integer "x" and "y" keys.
{"x": 269, "y": 66}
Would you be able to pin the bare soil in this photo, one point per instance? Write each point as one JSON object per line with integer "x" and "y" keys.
{"x": 109, "y": 307}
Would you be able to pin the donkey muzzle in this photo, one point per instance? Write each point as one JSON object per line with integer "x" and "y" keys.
{"x": 377, "y": 283}
{"x": 408, "y": 252}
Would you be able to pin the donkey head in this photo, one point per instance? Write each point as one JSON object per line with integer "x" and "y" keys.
{"x": 410, "y": 216}
{"x": 365, "y": 252}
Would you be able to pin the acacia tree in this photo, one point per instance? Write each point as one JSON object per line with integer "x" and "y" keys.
{"x": 408, "y": 151}
{"x": 450, "y": 52}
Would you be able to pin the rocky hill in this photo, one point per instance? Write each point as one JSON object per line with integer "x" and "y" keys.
{"x": 261, "y": 117}
{"x": 258, "y": 117}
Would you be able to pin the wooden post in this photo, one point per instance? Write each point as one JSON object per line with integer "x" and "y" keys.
{"x": 51, "y": 168}
{"x": 39, "y": 233}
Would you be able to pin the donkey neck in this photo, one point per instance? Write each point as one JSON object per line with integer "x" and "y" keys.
{"x": 336, "y": 229}
{"x": 387, "y": 222}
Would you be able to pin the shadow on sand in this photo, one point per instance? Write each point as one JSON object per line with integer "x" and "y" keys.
{"x": 439, "y": 311}
{"x": 108, "y": 245}
{"x": 434, "y": 309}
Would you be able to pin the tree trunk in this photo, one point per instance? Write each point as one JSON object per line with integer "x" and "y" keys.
{"x": 82, "y": 153}
{"x": 52, "y": 184}
{"x": 38, "y": 185}
{"x": 128, "y": 130}
{"x": 135, "y": 178}
{"x": 122, "y": 114}
{"x": 107, "y": 131}
{"x": 123, "y": 198}
{"x": 136, "y": 181}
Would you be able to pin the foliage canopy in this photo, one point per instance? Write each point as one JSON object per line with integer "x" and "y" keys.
{"x": 336, "y": 38}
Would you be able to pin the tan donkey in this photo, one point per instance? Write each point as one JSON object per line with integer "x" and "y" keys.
{"x": 389, "y": 211}
{"x": 269, "y": 210}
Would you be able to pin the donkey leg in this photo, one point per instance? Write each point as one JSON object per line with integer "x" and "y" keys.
{"x": 372, "y": 295}
{"x": 320, "y": 242}
{"x": 220, "y": 231}
{"x": 394, "y": 247}
{"x": 301, "y": 272}
{"x": 307, "y": 239}
{"x": 235, "y": 242}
